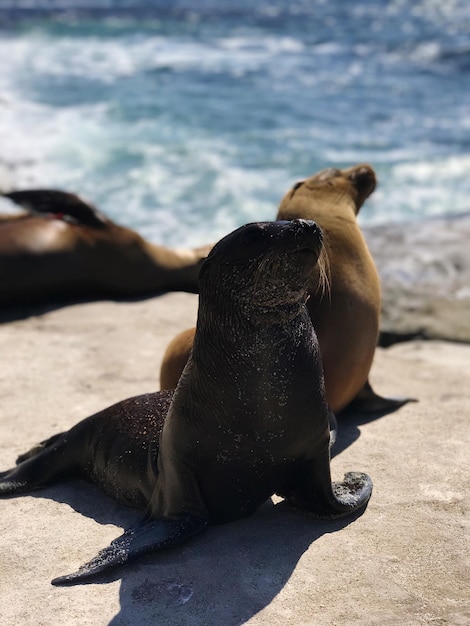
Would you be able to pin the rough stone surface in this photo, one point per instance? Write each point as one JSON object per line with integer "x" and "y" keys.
{"x": 425, "y": 273}
{"x": 404, "y": 561}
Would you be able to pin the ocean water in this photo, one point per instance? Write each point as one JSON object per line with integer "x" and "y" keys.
{"x": 186, "y": 119}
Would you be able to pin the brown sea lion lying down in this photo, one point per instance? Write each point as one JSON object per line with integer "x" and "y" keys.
{"x": 62, "y": 247}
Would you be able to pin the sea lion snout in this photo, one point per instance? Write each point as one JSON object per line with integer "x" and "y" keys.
{"x": 308, "y": 235}
{"x": 364, "y": 180}
{"x": 301, "y": 224}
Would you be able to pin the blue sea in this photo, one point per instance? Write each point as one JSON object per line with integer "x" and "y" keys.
{"x": 186, "y": 119}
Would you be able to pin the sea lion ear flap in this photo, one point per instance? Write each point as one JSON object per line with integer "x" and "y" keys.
{"x": 296, "y": 186}
{"x": 150, "y": 536}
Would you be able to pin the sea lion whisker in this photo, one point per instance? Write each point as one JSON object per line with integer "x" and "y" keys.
{"x": 268, "y": 259}
{"x": 324, "y": 274}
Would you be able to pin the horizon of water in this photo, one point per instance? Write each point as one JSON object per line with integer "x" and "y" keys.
{"x": 186, "y": 119}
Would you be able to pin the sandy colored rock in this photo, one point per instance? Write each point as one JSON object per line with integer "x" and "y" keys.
{"x": 424, "y": 269}
{"x": 404, "y": 561}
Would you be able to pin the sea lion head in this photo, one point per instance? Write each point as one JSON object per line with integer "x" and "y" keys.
{"x": 357, "y": 182}
{"x": 262, "y": 267}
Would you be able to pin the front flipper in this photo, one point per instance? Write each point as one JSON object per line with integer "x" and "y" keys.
{"x": 352, "y": 494}
{"x": 314, "y": 493}
{"x": 367, "y": 401}
{"x": 59, "y": 204}
{"x": 149, "y": 536}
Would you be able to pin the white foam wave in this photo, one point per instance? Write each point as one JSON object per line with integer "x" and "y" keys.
{"x": 106, "y": 59}
{"x": 38, "y": 141}
{"x": 446, "y": 171}
{"x": 207, "y": 198}
{"x": 180, "y": 182}
{"x": 413, "y": 190}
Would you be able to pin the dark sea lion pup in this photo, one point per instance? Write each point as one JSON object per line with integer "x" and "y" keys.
{"x": 63, "y": 247}
{"x": 248, "y": 418}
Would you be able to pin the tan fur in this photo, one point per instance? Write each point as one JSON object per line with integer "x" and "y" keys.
{"x": 175, "y": 358}
{"x": 347, "y": 321}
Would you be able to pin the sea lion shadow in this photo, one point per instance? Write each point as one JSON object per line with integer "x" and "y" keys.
{"x": 90, "y": 501}
{"x": 349, "y": 421}
{"x": 18, "y": 312}
{"x": 225, "y": 576}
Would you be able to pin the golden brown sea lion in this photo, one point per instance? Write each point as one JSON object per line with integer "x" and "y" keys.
{"x": 345, "y": 311}
{"x": 63, "y": 247}
{"x": 347, "y": 318}
{"x": 213, "y": 451}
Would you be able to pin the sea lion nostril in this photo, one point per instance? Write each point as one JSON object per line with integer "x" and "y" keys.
{"x": 303, "y": 224}
{"x": 311, "y": 226}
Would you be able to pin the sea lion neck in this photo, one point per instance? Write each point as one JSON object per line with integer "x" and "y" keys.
{"x": 234, "y": 349}
{"x": 223, "y": 314}
{"x": 266, "y": 316}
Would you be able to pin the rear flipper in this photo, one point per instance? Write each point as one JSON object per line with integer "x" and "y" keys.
{"x": 314, "y": 493}
{"x": 39, "y": 447}
{"x": 59, "y": 204}
{"x": 11, "y": 484}
{"x": 42, "y": 465}
{"x": 149, "y": 536}
{"x": 367, "y": 401}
